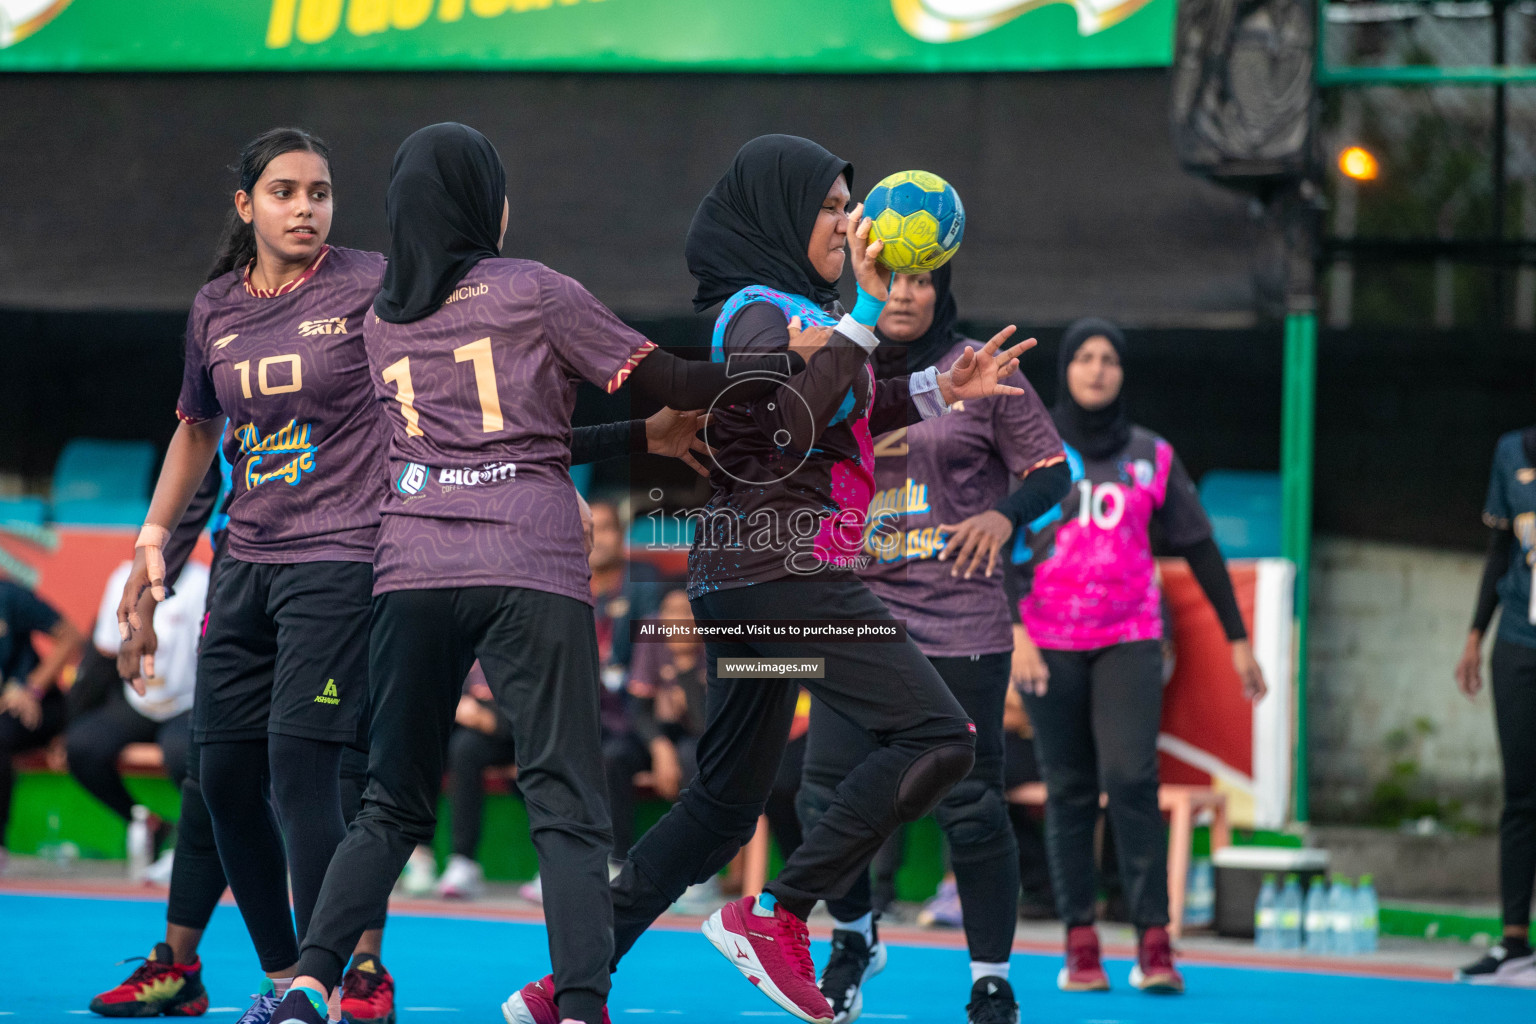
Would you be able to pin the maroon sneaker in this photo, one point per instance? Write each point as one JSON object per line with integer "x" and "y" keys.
{"x": 1154, "y": 970}
{"x": 534, "y": 1003}
{"x": 773, "y": 951}
{"x": 1084, "y": 971}
{"x": 368, "y": 993}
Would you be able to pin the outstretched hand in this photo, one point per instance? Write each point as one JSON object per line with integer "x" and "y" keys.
{"x": 980, "y": 374}
{"x": 675, "y": 435}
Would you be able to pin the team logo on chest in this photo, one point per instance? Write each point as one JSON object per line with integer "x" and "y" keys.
{"x": 328, "y": 325}
{"x": 286, "y": 454}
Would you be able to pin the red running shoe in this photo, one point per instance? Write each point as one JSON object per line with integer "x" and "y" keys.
{"x": 1154, "y": 971}
{"x": 159, "y": 986}
{"x": 368, "y": 992}
{"x": 534, "y": 1003}
{"x": 1084, "y": 971}
{"x": 774, "y": 952}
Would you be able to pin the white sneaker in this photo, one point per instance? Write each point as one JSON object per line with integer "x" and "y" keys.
{"x": 159, "y": 873}
{"x": 463, "y": 879}
{"x": 532, "y": 891}
{"x": 420, "y": 873}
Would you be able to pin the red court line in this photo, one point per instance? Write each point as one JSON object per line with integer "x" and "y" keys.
{"x": 896, "y": 935}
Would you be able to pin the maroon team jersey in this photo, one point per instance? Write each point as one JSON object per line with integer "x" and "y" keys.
{"x": 478, "y": 397}
{"x": 290, "y": 372}
{"x": 945, "y": 470}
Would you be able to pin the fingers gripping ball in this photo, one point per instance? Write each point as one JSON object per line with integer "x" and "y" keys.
{"x": 920, "y": 219}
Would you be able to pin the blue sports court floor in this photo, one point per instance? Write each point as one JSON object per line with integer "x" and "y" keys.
{"x": 57, "y": 951}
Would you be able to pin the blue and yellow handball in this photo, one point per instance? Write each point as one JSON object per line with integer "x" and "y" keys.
{"x": 919, "y": 217}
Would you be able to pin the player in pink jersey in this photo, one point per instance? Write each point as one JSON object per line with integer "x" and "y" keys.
{"x": 1090, "y": 655}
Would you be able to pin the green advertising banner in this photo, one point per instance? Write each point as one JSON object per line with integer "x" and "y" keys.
{"x": 584, "y": 35}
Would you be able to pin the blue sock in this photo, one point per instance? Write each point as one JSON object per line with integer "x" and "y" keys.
{"x": 765, "y": 904}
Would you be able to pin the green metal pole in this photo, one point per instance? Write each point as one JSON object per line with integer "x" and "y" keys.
{"x": 1298, "y": 420}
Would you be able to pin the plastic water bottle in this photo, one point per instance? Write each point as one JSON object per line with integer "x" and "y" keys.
{"x": 1290, "y": 914}
{"x": 1200, "y": 900}
{"x": 1341, "y": 913}
{"x": 1367, "y": 916}
{"x": 1319, "y": 939}
{"x": 1266, "y": 916}
{"x": 140, "y": 844}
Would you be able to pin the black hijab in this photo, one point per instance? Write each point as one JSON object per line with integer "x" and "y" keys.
{"x": 755, "y": 224}
{"x": 893, "y": 358}
{"x": 1099, "y": 433}
{"x": 443, "y": 207}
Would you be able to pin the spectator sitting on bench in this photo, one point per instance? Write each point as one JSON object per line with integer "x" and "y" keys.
{"x": 666, "y": 717}
{"x": 31, "y": 706}
{"x": 162, "y": 716}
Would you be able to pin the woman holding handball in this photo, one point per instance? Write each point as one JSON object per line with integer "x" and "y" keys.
{"x": 480, "y": 554}
{"x": 791, "y": 481}
{"x": 943, "y": 503}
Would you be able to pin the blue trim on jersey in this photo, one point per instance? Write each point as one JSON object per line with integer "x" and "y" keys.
{"x": 791, "y": 305}
{"x": 220, "y": 520}
{"x": 1021, "y": 549}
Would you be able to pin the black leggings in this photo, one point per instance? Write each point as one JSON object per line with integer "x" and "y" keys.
{"x": 1514, "y": 711}
{"x": 974, "y": 815}
{"x": 539, "y": 653}
{"x": 926, "y": 746}
{"x": 470, "y": 753}
{"x": 197, "y": 876}
{"x": 1096, "y": 730}
{"x": 96, "y": 739}
{"x": 242, "y": 780}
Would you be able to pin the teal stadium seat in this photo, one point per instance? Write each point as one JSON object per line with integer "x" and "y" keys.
{"x": 26, "y": 510}
{"x": 1244, "y": 508}
{"x": 102, "y": 483}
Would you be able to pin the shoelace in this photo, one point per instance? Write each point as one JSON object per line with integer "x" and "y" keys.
{"x": 360, "y": 984}
{"x": 993, "y": 1009}
{"x": 801, "y": 944}
{"x": 261, "y": 1010}
{"x": 1158, "y": 957}
{"x": 844, "y": 969}
{"x": 1082, "y": 958}
{"x": 146, "y": 971}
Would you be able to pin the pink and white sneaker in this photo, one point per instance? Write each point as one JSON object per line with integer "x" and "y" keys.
{"x": 772, "y": 947}
{"x": 534, "y": 1003}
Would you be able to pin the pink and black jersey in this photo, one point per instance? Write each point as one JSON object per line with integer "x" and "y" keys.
{"x": 1095, "y": 581}
{"x": 478, "y": 396}
{"x": 290, "y": 372}
{"x": 793, "y": 473}
{"x": 940, "y": 471}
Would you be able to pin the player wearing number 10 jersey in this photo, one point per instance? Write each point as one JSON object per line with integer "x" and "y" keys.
{"x": 276, "y": 372}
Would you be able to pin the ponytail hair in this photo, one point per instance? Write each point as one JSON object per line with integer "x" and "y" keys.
{"x": 237, "y": 245}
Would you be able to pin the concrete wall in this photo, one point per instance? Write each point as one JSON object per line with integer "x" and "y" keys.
{"x": 1388, "y": 622}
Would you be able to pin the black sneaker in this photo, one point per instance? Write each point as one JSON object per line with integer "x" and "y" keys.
{"x": 851, "y": 964}
{"x": 992, "y": 1003}
{"x": 1511, "y": 962}
{"x": 297, "y": 1007}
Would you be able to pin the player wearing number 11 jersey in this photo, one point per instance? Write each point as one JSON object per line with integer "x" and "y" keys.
{"x": 475, "y": 361}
